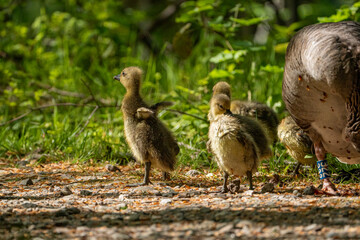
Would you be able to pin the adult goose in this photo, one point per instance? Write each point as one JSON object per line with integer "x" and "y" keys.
{"x": 321, "y": 90}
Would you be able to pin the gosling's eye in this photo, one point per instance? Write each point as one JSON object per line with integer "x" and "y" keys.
{"x": 221, "y": 106}
{"x": 124, "y": 74}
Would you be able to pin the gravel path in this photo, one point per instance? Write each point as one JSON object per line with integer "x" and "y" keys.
{"x": 60, "y": 201}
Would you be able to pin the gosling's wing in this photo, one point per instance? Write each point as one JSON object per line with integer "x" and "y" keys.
{"x": 160, "y": 106}
{"x": 144, "y": 113}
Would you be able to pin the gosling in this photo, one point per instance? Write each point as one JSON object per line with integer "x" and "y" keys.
{"x": 220, "y": 88}
{"x": 297, "y": 142}
{"x": 237, "y": 142}
{"x": 149, "y": 140}
{"x": 261, "y": 112}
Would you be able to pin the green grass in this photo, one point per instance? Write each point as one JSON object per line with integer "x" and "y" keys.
{"x": 81, "y": 52}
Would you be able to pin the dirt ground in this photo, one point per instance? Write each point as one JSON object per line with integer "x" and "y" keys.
{"x": 64, "y": 201}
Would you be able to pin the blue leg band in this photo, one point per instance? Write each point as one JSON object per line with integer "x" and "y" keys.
{"x": 323, "y": 169}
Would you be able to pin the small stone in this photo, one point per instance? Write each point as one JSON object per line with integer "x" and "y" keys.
{"x": 29, "y": 205}
{"x": 145, "y": 190}
{"x": 225, "y": 229}
{"x": 234, "y": 186}
{"x": 119, "y": 236}
{"x": 295, "y": 192}
{"x": 23, "y": 163}
{"x": 268, "y": 187}
{"x": 243, "y": 223}
{"x": 192, "y": 173}
{"x": 112, "y": 168}
{"x": 27, "y": 182}
{"x": 275, "y": 179}
{"x": 85, "y": 193}
{"x": 309, "y": 190}
{"x": 66, "y": 191}
{"x": 121, "y": 206}
{"x": 67, "y": 211}
{"x": 122, "y": 197}
{"x": 313, "y": 227}
{"x": 209, "y": 175}
{"x": 249, "y": 193}
{"x": 165, "y": 201}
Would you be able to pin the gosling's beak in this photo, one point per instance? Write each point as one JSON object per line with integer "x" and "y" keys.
{"x": 228, "y": 112}
{"x": 117, "y": 77}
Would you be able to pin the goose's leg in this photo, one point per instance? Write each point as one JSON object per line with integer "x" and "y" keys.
{"x": 146, "y": 177}
{"x": 249, "y": 176}
{"x": 166, "y": 176}
{"x": 225, "y": 188}
{"x": 328, "y": 186}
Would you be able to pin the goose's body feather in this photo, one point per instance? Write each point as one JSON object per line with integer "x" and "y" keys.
{"x": 321, "y": 86}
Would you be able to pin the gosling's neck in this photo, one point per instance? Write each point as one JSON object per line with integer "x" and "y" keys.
{"x": 132, "y": 101}
{"x": 133, "y": 92}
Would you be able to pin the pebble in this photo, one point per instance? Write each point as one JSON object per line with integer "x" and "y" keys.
{"x": 112, "y": 168}
{"x": 193, "y": 173}
{"x": 67, "y": 211}
{"x": 23, "y": 163}
{"x": 248, "y": 193}
{"x": 210, "y": 175}
{"x": 310, "y": 190}
{"x": 225, "y": 229}
{"x": 27, "y": 182}
{"x": 267, "y": 188}
{"x": 121, "y": 206}
{"x": 313, "y": 227}
{"x": 66, "y": 191}
{"x": 145, "y": 189}
{"x": 85, "y": 193}
{"x": 123, "y": 197}
{"x": 165, "y": 201}
{"x": 29, "y": 205}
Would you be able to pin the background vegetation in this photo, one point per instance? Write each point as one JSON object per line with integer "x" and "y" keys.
{"x": 57, "y": 60}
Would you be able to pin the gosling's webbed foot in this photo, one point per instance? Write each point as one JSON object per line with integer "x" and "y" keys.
{"x": 329, "y": 188}
{"x": 146, "y": 177}
{"x": 249, "y": 176}
{"x": 224, "y": 190}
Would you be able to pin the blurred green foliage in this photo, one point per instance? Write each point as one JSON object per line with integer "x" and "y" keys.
{"x": 54, "y": 52}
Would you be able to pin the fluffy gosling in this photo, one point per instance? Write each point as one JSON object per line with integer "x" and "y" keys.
{"x": 297, "y": 143}
{"x": 149, "y": 140}
{"x": 237, "y": 142}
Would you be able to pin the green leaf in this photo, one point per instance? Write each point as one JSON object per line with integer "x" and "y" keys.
{"x": 272, "y": 69}
{"x": 219, "y": 73}
{"x": 248, "y": 22}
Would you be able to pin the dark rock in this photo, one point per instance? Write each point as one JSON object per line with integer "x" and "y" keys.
{"x": 29, "y": 205}
{"x": 234, "y": 186}
{"x": 275, "y": 179}
{"x": 65, "y": 191}
{"x": 192, "y": 173}
{"x": 309, "y": 190}
{"x": 112, "y": 168}
{"x": 121, "y": 206}
{"x": 27, "y": 182}
{"x": 268, "y": 187}
{"x": 85, "y": 193}
{"x": 23, "y": 163}
{"x": 67, "y": 211}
